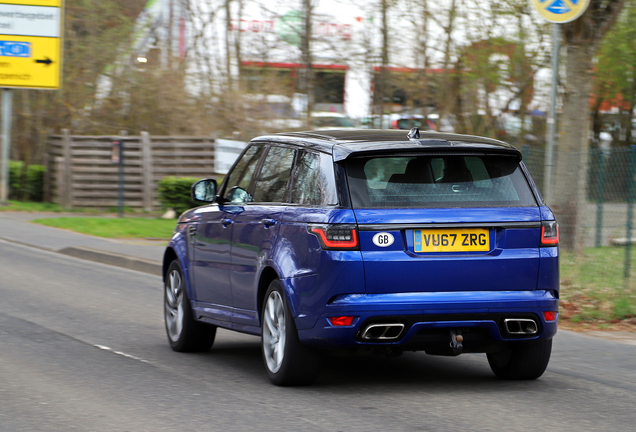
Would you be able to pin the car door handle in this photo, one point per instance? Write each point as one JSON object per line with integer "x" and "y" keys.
{"x": 226, "y": 222}
{"x": 268, "y": 222}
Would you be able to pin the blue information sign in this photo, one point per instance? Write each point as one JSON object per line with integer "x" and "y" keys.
{"x": 15, "y": 49}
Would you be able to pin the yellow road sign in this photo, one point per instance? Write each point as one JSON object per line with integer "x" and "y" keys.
{"x": 31, "y": 43}
{"x": 56, "y": 3}
{"x": 561, "y": 11}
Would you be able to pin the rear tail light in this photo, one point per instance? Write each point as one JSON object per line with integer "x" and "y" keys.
{"x": 549, "y": 233}
{"x": 336, "y": 236}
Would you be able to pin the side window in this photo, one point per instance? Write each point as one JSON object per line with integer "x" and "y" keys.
{"x": 314, "y": 182}
{"x": 239, "y": 179}
{"x": 271, "y": 185}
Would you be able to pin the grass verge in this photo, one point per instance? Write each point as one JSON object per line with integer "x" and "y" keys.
{"x": 113, "y": 227}
{"x": 593, "y": 287}
{"x": 30, "y": 206}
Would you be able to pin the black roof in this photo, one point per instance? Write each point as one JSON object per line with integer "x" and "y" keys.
{"x": 344, "y": 142}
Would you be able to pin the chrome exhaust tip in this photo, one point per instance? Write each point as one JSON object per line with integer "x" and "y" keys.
{"x": 382, "y": 331}
{"x": 521, "y": 326}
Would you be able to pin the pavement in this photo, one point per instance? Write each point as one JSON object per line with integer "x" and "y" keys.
{"x": 135, "y": 254}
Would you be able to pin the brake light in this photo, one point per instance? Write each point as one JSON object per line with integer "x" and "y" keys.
{"x": 549, "y": 233}
{"x": 550, "y": 316}
{"x": 341, "y": 321}
{"x": 336, "y": 236}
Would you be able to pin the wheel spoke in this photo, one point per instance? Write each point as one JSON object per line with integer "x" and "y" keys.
{"x": 179, "y": 320}
{"x": 269, "y": 323}
{"x": 271, "y": 306}
{"x": 170, "y": 298}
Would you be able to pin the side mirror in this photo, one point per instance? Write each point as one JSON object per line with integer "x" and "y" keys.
{"x": 204, "y": 191}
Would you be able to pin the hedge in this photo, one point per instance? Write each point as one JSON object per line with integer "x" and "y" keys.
{"x": 174, "y": 193}
{"x": 26, "y": 183}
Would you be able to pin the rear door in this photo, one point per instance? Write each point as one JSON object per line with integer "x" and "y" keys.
{"x": 445, "y": 222}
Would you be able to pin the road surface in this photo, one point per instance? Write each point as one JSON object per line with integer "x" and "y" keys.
{"x": 83, "y": 347}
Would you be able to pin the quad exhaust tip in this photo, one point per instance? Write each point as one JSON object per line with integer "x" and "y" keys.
{"x": 520, "y": 326}
{"x": 382, "y": 331}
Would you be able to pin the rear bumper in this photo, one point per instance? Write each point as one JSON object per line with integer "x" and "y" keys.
{"x": 428, "y": 319}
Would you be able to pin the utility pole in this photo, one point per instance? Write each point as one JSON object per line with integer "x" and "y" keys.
{"x": 7, "y": 104}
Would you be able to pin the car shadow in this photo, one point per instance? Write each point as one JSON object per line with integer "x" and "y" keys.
{"x": 412, "y": 369}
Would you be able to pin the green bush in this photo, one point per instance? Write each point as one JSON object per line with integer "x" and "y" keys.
{"x": 174, "y": 193}
{"x": 34, "y": 186}
{"x": 16, "y": 179}
{"x": 26, "y": 183}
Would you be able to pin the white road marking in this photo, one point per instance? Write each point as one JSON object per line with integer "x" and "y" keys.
{"x": 105, "y": 348}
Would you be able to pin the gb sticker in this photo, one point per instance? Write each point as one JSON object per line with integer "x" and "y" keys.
{"x": 383, "y": 239}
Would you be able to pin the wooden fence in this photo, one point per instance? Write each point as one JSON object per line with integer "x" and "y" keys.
{"x": 81, "y": 173}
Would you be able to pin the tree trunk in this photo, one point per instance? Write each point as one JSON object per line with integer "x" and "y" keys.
{"x": 228, "y": 45}
{"x": 445, "y": 90}
{"x": 573, "y": 148}
{"x": 307, "y": 58}
{"x": 384, "y": 86}
{"x": 237, "y": 43}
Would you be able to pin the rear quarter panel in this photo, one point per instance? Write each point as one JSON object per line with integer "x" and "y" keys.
{"x": 312, "y": 276}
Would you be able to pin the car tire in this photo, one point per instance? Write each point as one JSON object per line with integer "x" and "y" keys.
{"x": 184, "y": 333}
{"x": 288, "y": 362}
{"x": 524, "y": 362}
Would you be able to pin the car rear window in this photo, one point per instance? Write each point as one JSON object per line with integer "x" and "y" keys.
{"x": 437, "y": 181}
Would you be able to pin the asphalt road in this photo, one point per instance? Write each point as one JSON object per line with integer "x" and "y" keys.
{"x": 82, "y": 347}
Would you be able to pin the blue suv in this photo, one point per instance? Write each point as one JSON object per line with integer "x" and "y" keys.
{"x": 369, "y": 241}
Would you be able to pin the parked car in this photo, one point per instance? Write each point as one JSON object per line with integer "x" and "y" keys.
{"x": 367, "y": 241}
{"x": 330, "y": 120}
{"x": 409, "y": 121}
{"x": 429, "y": 122}
{"x": 271, "y": 112}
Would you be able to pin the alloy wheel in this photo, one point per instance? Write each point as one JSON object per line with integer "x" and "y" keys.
{"x": 274, "y": 334}
{"x": 174, "y": 305}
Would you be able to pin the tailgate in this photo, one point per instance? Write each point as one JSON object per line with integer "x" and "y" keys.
{"x": 433, "y": 250}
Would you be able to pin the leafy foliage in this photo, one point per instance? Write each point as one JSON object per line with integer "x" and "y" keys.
{"x": 26, "y": 183}
{"x": 174, "y": 193}
{"x": 34, "y": 183}
{"x": 615, "y": 71}
{"x": 16, "y": 179}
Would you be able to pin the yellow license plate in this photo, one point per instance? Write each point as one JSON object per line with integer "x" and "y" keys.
{"x": 452, "y": 240}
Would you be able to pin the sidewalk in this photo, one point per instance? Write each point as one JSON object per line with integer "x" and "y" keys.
{"x": 141, "y": 255}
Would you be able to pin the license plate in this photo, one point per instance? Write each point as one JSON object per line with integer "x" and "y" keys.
{"x": 452, "y": 240}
